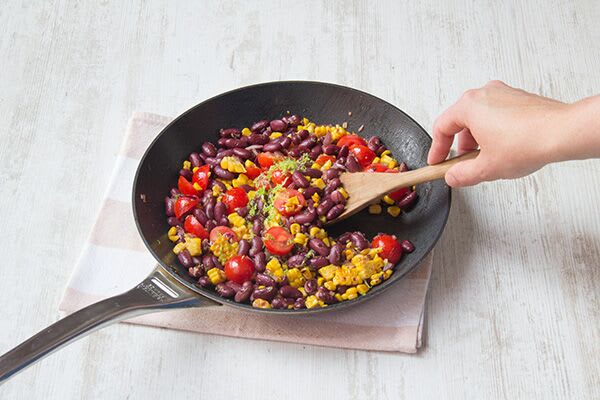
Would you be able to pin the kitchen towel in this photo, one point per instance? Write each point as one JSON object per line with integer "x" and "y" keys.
{"x": 114, "y": 260}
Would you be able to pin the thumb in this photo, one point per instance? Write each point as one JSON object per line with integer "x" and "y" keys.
{"x": 466, "y": 173}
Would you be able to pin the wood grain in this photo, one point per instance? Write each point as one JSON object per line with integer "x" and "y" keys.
{"x": 514, "y": 306}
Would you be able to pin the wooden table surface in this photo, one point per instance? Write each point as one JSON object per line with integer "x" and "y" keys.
{"x": 514, "y": 304}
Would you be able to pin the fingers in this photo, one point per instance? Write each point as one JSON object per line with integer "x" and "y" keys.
{"x": 446, "y": 126}
{"x": 466, "y": 142}
{"x": 467, "y": 173}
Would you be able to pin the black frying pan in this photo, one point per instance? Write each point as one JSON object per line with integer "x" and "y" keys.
{"x": 169, "y": 285}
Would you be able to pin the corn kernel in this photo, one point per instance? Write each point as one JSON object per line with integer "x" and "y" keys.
{"x": 328, "y": 271}
{"x": 339, "y": 297}
{"x": 318, "y": 183}
{"x": 193, "y": 246}
{"x": 314, "y": 231}
{"x": 275, "y": 135}
{"x": 320, "y": 281}
{"x": 387, "y": 274}
{"x": 246, "y": 132}
{"x": 392, "y": 164}
{"x": 232, "y": 164}
{"x": 351, "y": 293}
{"x": 307, "y": 273}
{"x": 311, "y": 302}
{"x": 195, "y": 169}
{"x": 362, "y": 289}
{"x": 388, "y": 200}
{"x": 329, "y": 285}
{"x": 376, "y": 160}
{"x": 260, "y": 303}
{"x": 326, "y": 241}
{"x": 302, "y": 290}
{"x": 394, "y": 211}
{"x": 315, "y": 166}
{"x": 172, "y": 234}
{"x": 386, "y": 153}
{"x": 294, "y": 228}
{"x": 216, "y": 276}
{"x": 216, "y": 190}
{"x": 327, "y": 165}
{"x": 374, "y": 209}
{"x": 301, "y": 239}
{"x": 343, "y": 192}
{"x": 187, "y": 165}
{"x": 315, "y": 197}
{"x": 295, "y": 277}
{"x": 178, "y": 248}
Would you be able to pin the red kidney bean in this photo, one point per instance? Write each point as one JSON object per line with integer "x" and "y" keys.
{"x": 300, "y": 180}
{"x": 224, "y": 291}
{"x": 335, "y": 254}
{"x": 306, "y": 217}
{"x": 266, "y": 293}
{"x": 223, "y": 173}
{"x": 285, "y": 142}
{"x": 352, "y": 164}
{"x": 344, "y": 238}
{"x": 209, "y": 149}
{"x": 220, "y": 184}
{"x": 202, "y": 157}
{"x": 309, "y": 192}
{"x": 335, "y": 212}
{"x": 278, "y": 303}
{"x": 295, "y": 152}
{"x": 242, "y": 211}
{"x": 325, "y": 295}
{"x": 318, "y": 261}
{"x": 185, "y": 258}
{"x": 380, "y": 150}
{"x": 296, "y": 260}
{"x": 403, "y": 167}
{"x": 174, "y": 192}
{"x": 209, "y": 208}
{"x": 344, "y": 151}
{"x": 197, "y": 261}
{"x": 299, "y": 304}
{"x": 303, "y": 134}
{"x": 259, "y": 125}
{"x": 229, "y": 132}
{"x": 213, "y": 162}
{"x": 335, "y": 183}
{"x": 337, "y": 197}
{"x": 265, "y": 280}
{"x": 200, "y": 216}
{"x": 278, "y": 125}
{"x": 359, "y": 240}
{"x": 260, "y": 262}
{"x": 242, "y": 153}
{"x": 232, "y": 143}
{"x": 174, "y": 221}
{"x": 244, "y": 141}
{"x": 204, "y": 281}
{"x": 257, "y": 226}
{"x": 319, "y": 246}
{"x": 272, "y": 146}
{"x": 207, "y": 262}
{"x": 341, "y": 289}
{"x": 315, "y": 152}
{"x": 243, "y": 247}
{"x": 195, "y": 272}
{"x": 244, "y": 293}
{"x": 387, "y": 266}
{"x": 224, "y": 153}
{"x": 331, "y": 149}
{"x": 234, "y": 285}
{"x": 289, "y": 291}
{"x": 327, "y": 139}
{"x": 310, "y": 286}
{"x": 374, "y": 143}
{"x": 407, "y": 246}
{"x": 258, "y": 139}
{"x": 408, "y": 200}
{"x": 195, "y": 160}
{"x": 223, "y": 221}
{"x": 313, "y": 172}
{"x": 325, "y": 206}
{"x": 293, "y": 120}
{"x": 221, "y": 142}
{"x": 307, "y": 143}
{"x": 169, "y": 207}
{"x": 220, "y": 211}
{"x": 296, "y": 139}
{"x": 331, "y": 174}
{"x": 216, "y": 262}
{"x": 186, "y": 173}
{"x": 210, "y": 224}
{"x": 256, "y": 246}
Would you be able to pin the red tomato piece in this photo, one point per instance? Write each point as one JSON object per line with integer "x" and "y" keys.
{"x": 363, "y": 155}
{"x": 378, "y": 167}
{"x": 184, "y": 204}
{"x": 253, "y": 172}
{"x": 390, "y": 248}
{"x": 323, "y": 158}
{"x": 186, "y": 187}
{"x": 278, "y": 241}
{"x": 193, "y": 226}
{"x": 283, "y": 198}
{"x": 265, "y": 160}
{"x": 281, "y": 178}
{"x": 239, "y": 269}
{"x": 235, "y": 198}
{"x": 397, "y": 195}
{"x": 351, "y": 141}
{"x": 223, "y": 231}
{"x": 201, "y": 176}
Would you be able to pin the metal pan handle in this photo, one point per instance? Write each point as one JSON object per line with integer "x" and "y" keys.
{"x": 159, "y": 291}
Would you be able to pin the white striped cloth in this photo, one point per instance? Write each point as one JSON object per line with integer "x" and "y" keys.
{"x": 114, "y": 260}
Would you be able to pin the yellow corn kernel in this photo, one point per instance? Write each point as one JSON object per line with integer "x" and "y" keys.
{"x": 315, "y": 166}
{"x": 194, "y": 246}
{"x": 275, "y": 135}
{"x": 246, "y": 132}
{"x": 387, "y": 274}
{"x": 294, "y": 228}
{"x": 172, "y": 234}
{"x": 339, "y": 297}
{"x": 305, "y": 121}
{"x": 315, "y": 197}
{"x": 307, "y": 273}
{"x": 327, "y": 165}
{"x": 323, "y": 218}
{"x": 187, "y": 165}
{"x": 195, "y": 169}
{"x": 343, "y": 192}
{"x": 275, "y": 269}
{"x": 178, "y": 248}
{"x": 329, "y": 285}
{"x": 376, "y": 278}
{"x": 216, "y": 276}
{"x": 241, "y": 180}
{"x": 321, "y": 130}
{"x": 216, "y": 190}
{"x": 320, "y": 281}
{"x": 302, "y": 290}
{"x": 328, "y": 271}
{"x": 318, "y": 183}
{"x": 260, "y": 303}
{"x": 394, "y": 211}
{"x": 223, "y": 248}
{"x": 386, "y": 159}
{"x": 301, "y": 239}
{"x": 311, "y": 302}
{"x": 348, "y": 253}
{"x": 326, "y": 241}
{"x": 251, "y": 194}
{"x": 314, "y": 231}
{"x": 388, "y": 200}
{"x": 236, "y": 220}
{"x": 376, "y": 160}
{"x": 374, "y": 209}
{"x": 362, "y": 289}
{"x": 392, "y": 164}
{"x": 386, "y": 153}
{"x": 295, "y": 277}
{"x": 232, "y": 164}
{"x": 350, "y": 293}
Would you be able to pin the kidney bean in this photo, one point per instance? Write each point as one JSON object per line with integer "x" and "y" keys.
{"x": 200, "y": 216}
{"x": 352, "y": 164}
{"x": 299, "y": 304}
{"x": 209, "y": 149}
{"x": 310, "y": 286}
{"x": 307, "y": 143}
{"x": 169, "y": 207}
{"x": 244, "y": 293}
{"x": 296, "y": 260}
{"x": 295, "y": 152}
{"x": 186, "y": 173}
{"x": 313, "y": 172}
{"x": 230, "y": 132}
{"x": 221, "y": 142}
{"x": 172, "y": 221}
{"x": 220, "y": 184}
{"x": 243, "y": 247}
{"x": 309, "y": 191}
{"x": 408, "y": 200}
{"x": 256, "y": 246}
{"x": 175, "y": 192}
{"x": 242, "y": 211}
{"x": 209, "y": 208}
{"x": 259, "y": 125}
{"x": 296, "y": 139}
{"x": 223, "y": 173}
{"x": 213, "y": 162}
{"x": 234, "y": 285}
{"x": 337, "y": 197}
{"x": 325, "y": 295}
{"x": 216, "y": 262}
{"x": 331, "y": 174}
{"x": 327, "y": 139}
{"x": 224, "y": 153}
{"x": 278, "y": 303}
{"x": 403, "y": 167}
{"x": 223, "y": 221}
{"x": 380, "y": 150}
{"x": 278, "y": 125}
{"x": 204, "y": 281}
{"x": 318, "y": 261}
{"x": 306, "y": 217}
{"x": 290, "y": 291}
{"x": 266, "y": 293}
{"x": 258, "y": 139}
{"x": 331, "y": 149}
{"x": 303, "y": 134}
{"x": 335, "y": 254}
{"x": 319, "y": 246}
{"x": 210, "y": 224}
{"x": 285, "y": 142}
{"x": 244, "y": 141}
{"x": 207, "y": 262}
{"x": 293, "y": 120}
{"x": 344, "y": 238}
{"x": 224, "y": 291}
{"x": 263, "y": 279}
{"x": 202, "y": 157}
{"x": 272, "y": 146}
{"x": 359, "y": 240}
{"x": 195, "y": 160}
{"x": 257, "y": 226}
{"x": 335, "y": 212}
{"x": 374, "y": 143}
{"x": 344, "y": 151}
{"x": 185, "y": 258}
{"x": 300, "y": 180}
{"x": 341, "y": 289}
{"x": 232, "y": 143}
{"x": 260, "y": 262}
{"x": 407, "y": 246}
{"x": 242, "y": 153}
{"x": 325, "y": 206}
{"x": 195, "y": 272}
{"x": 220, "y": 211}
{"x": 387, "y": 266}
{"x": 315, "y": 152}
{"x": 181, "y": 236}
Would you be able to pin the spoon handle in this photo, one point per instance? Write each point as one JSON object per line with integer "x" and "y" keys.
{"x": 436, "y": 171}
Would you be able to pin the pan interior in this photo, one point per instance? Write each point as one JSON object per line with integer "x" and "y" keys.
{"x": 322, "y": 103}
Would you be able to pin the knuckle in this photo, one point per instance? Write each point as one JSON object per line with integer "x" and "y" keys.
{"x": 470, "y": 94}
{"x": 495, "y": 83}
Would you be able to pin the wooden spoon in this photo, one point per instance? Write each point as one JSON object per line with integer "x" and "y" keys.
{"x": 367, "y": 188}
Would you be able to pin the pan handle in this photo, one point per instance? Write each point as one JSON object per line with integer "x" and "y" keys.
{"x": 159, "y": 291}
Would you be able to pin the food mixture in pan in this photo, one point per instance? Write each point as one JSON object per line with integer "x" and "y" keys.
{"x": 247, "y": 216}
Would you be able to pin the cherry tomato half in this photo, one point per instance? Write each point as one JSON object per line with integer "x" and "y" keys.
{"x": 391, "y": 249}
{"x": 186, "y": 187}
{"x": 239, "y": 269}
{"x": 295, "y": 205}
{"x": 235, "y": 198}
{"x": 278, "y": 241}
{"x": 193, "y": 226}
{"x": 279, "y": 177}
{"x": 323, "y": 158}
{"x": 378, "y": 167}
{"x": 351, "y": 141}
{"x": 184, "y": 204}
{"x": 223, "y": 231}
{"x": 265, "y": 160}
{"x": 201, "y": 176}
{"x": 399, "y": 194}
{"x": 253, "y": 172}
{"x": 363, "y": 155}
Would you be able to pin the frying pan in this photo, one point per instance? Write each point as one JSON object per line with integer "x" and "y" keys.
{"x": 169, "y": 286}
